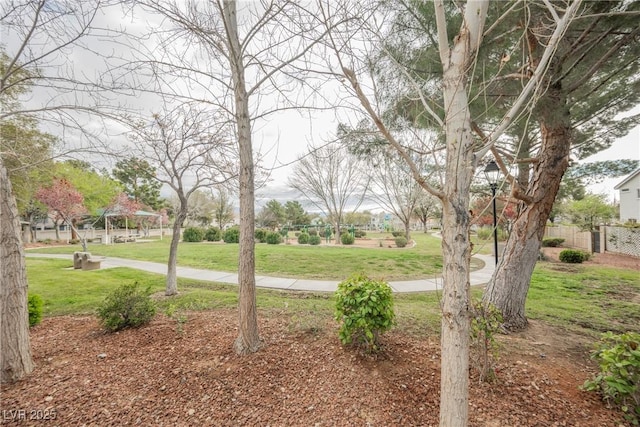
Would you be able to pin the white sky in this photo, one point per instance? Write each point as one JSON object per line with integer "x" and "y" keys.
{"x": 627, "y": 147}
{"x": 287, "y": 135}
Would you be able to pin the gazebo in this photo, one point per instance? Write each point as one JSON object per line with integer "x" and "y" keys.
{"x": 117, "y": 213}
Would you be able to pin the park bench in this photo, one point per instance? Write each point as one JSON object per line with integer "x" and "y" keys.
{"x": 85, "y": 261}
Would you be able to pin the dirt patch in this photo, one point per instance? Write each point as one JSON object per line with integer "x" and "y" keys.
{"x": 607, "y": 258}
{"x": 179, "y": 375}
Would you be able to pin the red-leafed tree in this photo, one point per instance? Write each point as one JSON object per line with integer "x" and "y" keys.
{"x": 483, "y": 211}
{"x": 65, "y": 203}
{"x": 122, "y": 206}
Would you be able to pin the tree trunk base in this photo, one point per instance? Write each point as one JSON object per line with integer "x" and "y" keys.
{"x": 243, "y": 348}
{"x": 515, "y": 325}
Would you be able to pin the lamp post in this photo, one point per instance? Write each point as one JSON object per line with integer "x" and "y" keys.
{"x": 492, "y": 173}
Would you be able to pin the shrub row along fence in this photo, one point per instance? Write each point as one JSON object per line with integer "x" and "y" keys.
{"x": 617, "y": 239}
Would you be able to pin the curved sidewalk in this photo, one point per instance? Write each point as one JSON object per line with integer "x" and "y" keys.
{"x": 478, "y": 277}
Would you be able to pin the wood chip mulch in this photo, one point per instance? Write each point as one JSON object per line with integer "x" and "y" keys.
{"x": 168, "y": 374}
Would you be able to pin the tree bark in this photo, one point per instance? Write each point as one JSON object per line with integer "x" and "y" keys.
{"x": 407, "y": 230}
{"x": 172, "y": 273}
{"x": 15, "y": 354}
{"x": 456, "y": 246}
{"x": 74, "y": 229}
{"x": 248, "y": 340}
{"x": 509, "y": 286}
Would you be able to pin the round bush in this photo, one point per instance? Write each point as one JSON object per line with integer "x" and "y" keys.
{"x": 365, "y": 309}
{"x": 231, "y": 235}
{"x": 260, "y": 235}
{"x": 315, "y": 240}
{"x": 35, "y": 305}
{"x": 347, "y": 239}
{"x": 193, "y": 234}
{"x": 573, "y": 256}
{"x": 397, "y": 233}
{"x": 126, "y": 307}
{"x": 213, "y": 234}
{"x": 401, "y": 241}
{"x": 360, "y": 234}
{"x": 313, "y": 232}
{"x": 552, "y": 242}
{"x": 303, "y": 238}
{"x": 274, "y": 238}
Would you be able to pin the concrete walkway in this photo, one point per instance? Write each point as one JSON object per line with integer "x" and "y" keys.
{"x": 478, "y": 277}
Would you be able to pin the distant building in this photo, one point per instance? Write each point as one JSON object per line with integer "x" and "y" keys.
{"x": 630, "y": 197}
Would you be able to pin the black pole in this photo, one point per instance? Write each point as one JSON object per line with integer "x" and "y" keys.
{"x": 495, "y": 223}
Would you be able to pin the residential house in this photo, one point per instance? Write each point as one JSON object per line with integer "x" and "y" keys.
{"x": 630, "y": 197}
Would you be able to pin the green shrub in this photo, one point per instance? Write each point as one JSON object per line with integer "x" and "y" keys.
{"x": 313, "y": 232}
{"x": 303, "y": 238}
{"x": 260, "y": 235}
{"x": 359, "y": 234}
{"x": 193, "y": 234}
{"x": 347, "y": 239}
{"x": 401, "y": 241}
{"x": 486, "y": 321}
{"x": 35, "y": 304}
{"x": 365, "y": 309}
{"x": 274, "y": 238}
{"x": 231, "y": 235}
{"x": 573, "y": 256}
{"x": 397, "y": 233}
{"x": 315, "y": 239}
{"x": 484, "y": 233}
{"x": 619, "y": 379}
{"x": 126, "y": 307}
{"x": 213, "y": 234}
{"x": 552, "y": 242}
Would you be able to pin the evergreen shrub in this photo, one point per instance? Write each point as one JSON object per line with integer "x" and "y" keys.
{"x": 303, "y": 238}
{"x": 231, "y": 235}
{"x": 128, "y": 306}
{"x": 193, "y": 234}
{"x": 315, "y": 240}
{"x": 213, "y": 234}
{"x": 35, "y": 304}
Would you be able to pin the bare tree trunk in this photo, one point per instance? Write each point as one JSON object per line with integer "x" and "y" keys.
{"x": 337, "y": 231}
{"x": 456, "y": 247}
{"x": 57, "y": 228}
{"x": 74, "y": 229}
{"x": 248, "y": 340}
{"x": 172, "y": 275}
{"x": 407, "y": 230}
{"x": 510, "y": 283}
{"x": 15, "y": 354}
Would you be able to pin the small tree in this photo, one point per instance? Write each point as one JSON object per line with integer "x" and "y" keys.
{"x": 222, "y": 209}
{"x": 183, "y": 144}
{"x": 330, "y": 177}
{"x": 589, "y": 212}
{"x": 64, "y": 203}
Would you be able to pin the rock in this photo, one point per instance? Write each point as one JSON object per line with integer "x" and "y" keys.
{"x": 102, "y": 355}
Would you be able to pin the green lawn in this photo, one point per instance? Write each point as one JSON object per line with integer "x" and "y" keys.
{"x": 594, "y": 298}
{"x": 309, "y": 262}
{"x": 586, "y": 299}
